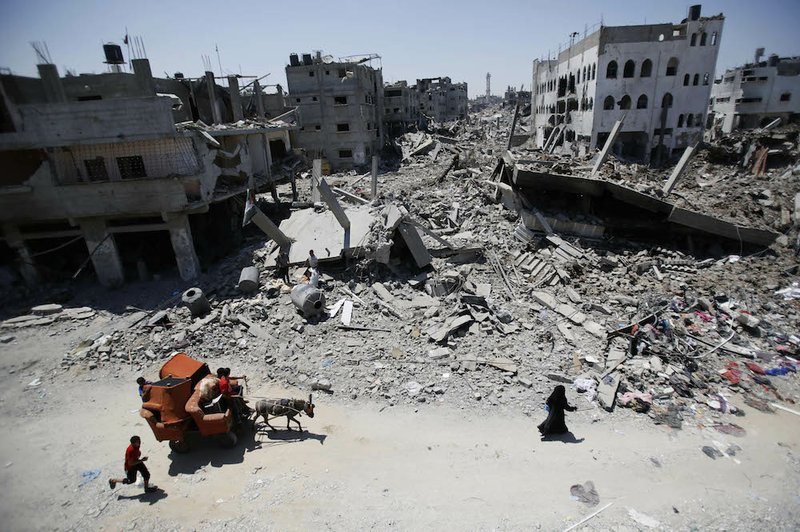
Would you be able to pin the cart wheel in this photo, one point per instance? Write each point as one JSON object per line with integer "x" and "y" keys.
{"x": 227, "y": 440}
{"x": 181, "y": 446}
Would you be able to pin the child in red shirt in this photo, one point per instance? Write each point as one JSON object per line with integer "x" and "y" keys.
{"x": 134, "y": 462}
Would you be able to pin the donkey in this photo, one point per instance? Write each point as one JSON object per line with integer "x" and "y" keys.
{"x": 283, "y": 407}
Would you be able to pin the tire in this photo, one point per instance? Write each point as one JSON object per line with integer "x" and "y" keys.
{"x": 227, "y": 440}
{"x": 181, "y": 446}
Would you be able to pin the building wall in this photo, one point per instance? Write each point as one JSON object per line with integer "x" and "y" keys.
{"x": 401, "y": 107}
{"x": 341, "y": 110}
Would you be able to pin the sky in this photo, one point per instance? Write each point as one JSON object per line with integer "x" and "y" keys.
{"x": 462, "y": 39}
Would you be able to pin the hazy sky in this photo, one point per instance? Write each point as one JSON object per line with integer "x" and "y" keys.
{"x": 463, "y": 39}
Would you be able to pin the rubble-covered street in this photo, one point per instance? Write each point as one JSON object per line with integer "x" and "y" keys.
{"x": 468, "y": 298}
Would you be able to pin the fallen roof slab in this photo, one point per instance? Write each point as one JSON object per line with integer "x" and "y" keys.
{"x": 321, "y": 232}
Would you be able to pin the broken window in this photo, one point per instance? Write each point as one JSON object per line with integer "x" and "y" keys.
{"x": 629, "y": 69}
{"x": 594, "y": 69}
{"x": 611, "y": 70}
{"x": 647, "y": 68}
{"x": 689, "y": 120}
{"x": 786, "y": 96}
{"x": 131, "y": 167}
{"x": 703, "y": 39}
{"x": 686, "y": 78}
{"x": 317, "y": 127}
{"x": 345, "y": 154}
{"x": 342, "y": 72}
{"x": 680, "y": 120}
{"x": 608, "y": 103}
{"x": 672, "y": 66}
{"x": 714, "y": 39}
{"x": 96, "y": 169}
{"x": 298, "y": 100}
{"x": 310, "y": 73}
{"x": 641, "y": 103}
{"x": 327, "y": 72}
{"x": 696, "y": 79}
{"x": 625, "y": 102}
{"x": 89, "y": 98}
{"x": 314, "y": 98}
{"x": 693, "y": 42}
{"x": 666, "y": 101}
{"x": 705, "y": 78}
{"x": 342, "y": 127}
{"x": 340, "y": 100}
{"x": 591, "y": 103}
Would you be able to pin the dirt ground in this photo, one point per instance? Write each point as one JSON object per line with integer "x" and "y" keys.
{"x": 369, "y": 466}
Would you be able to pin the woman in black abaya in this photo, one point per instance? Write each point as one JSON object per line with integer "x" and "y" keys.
{"x": 557, "y": 403}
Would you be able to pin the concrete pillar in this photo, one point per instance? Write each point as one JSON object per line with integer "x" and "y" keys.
{"x": 612, "y": 137}
{"x": 677, "y": 172}
{"x": 180, "y": 234}
{"x": 103, "y": 251}
{"x": 144, "y": 76}
{"x": 316, "y": 176}
{"x": 51, "y": 82}
{"x": 374, "y": 176}
{"x": 333, "y": 204}
{"x": 212, "y": 98}
{"x": 27, "y": 268}
{"x": 259, "y": 100}
{"x": 236, "y": 99}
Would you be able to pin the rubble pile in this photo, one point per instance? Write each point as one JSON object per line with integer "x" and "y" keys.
{"x": 452, "y": 298}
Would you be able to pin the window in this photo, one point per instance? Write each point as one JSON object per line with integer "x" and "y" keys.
{"x": 714, "y": 39}
{"x": 327, "y": 72}
{"x": 705, "y": 78}
{"x": 666, "y": 101}
{"x": 342, "y": 127}
{"x": 298, "y": 100}
{"x": 686, "y": 78}
{"x": 748, "y": 100}
{"x": 608, "y": 103}
{"x": 345, "y": 154}
{"x": 342, "y": 72}
{"x": 786, "y": 96}
{"x": 131, "y": 167}
{"x": 689, "y": 120}
{"x": 317, "y": 127}
{"x": 647, "y": 68}
{"x": 680, "y": 120}
{"x": 611, "y": 70}
{"x": 703, "y": 39}
{"x": 629, "y": 69}
{"x": 340, "y": 100}
{"x": 694, "y": 40}
{"x": 625, "y": 102}
{"x": 591, "y": 103}
{"x": 96, "y": 169}
{"x": 89, "y": 98}
{"x": 696, "y": 79}
{"x": 672, "y": 66}
{"x": 594, "y": 70}
{"x": 641, "y": 103}
{"x": 584, "y": 74}
{"x": 313, "y": 98}
{"x": 310, "y": 73}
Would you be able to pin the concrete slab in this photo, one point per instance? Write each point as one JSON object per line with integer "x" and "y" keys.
{"x": 322, "y": 233}
{"x": 415, "y": 244}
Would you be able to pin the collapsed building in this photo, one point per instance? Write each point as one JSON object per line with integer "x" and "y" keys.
{"x": 442, "y": 100}
{"x": 138, "y": 173}
{"x": 340, "y": 107}
{"x": 757, "y": 93}
{"x": 656, "y": 76}
{"x": 401, "y": 107}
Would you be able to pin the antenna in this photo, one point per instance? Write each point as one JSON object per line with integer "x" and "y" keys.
{"x": 219, "y": 61}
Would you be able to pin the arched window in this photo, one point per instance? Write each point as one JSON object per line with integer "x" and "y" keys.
{"x": 594, "y": 70}
{"x": 625, "y": 102}
{"x": 611, "y": 70}
{"x": 689, "y": 120}
{"x": 680, "y": 120}
{"x": 629, "y": 69}
{"x": 703, "y": 39}
{"x": 647, "y": 68}
{"x": 686, "y": 78}
{"x": 666, "y": 101}
{"x": 714, "y": 39}
{"x": 608, "y": 103}
{"x": 705, "y": 78}
{"x": 672, "y": 66}
{"x": 694, "y": 40}
{"x": 696, "y": 79}
{"x": 641, "y": 103}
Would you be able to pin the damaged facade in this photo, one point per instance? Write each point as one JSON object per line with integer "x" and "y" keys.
{"x": 401, "y": 107}
{"x": 755, "y": 94}
{"x": 656, "y": 76}
{"x": 340, "y": 106}
{"x": 442, "y": 100}
{"x": 114, "y": 162}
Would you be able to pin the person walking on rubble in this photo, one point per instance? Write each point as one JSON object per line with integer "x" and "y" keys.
{"x": 282, "y": 267}
{"x": 134, "y": 463}
{"x": 556, "y": 403}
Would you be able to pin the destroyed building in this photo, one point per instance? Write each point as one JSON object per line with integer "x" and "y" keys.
{"x": 755, "y": 94}
{"x": 656, "y": 76}
{"x": 401, "y": 107}
{"x": 340, "y": 106}
{"x": 512, "y": 96}
{"x": 442, "y": 100}
{"x": 136, "y": 173}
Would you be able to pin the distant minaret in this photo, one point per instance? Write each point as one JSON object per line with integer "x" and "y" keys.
{"x": 488, "y": 85}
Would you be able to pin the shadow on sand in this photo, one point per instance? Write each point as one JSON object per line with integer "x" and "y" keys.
{"x": 282, "y": 437}
{"x": 149, "y": 498}
{"x": 566, "y": 437}
{"x": 207, "y": 451}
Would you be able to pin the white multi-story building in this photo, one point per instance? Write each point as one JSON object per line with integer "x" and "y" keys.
{"x": 757, "y": 93}
{"x": 658, "y": 76}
